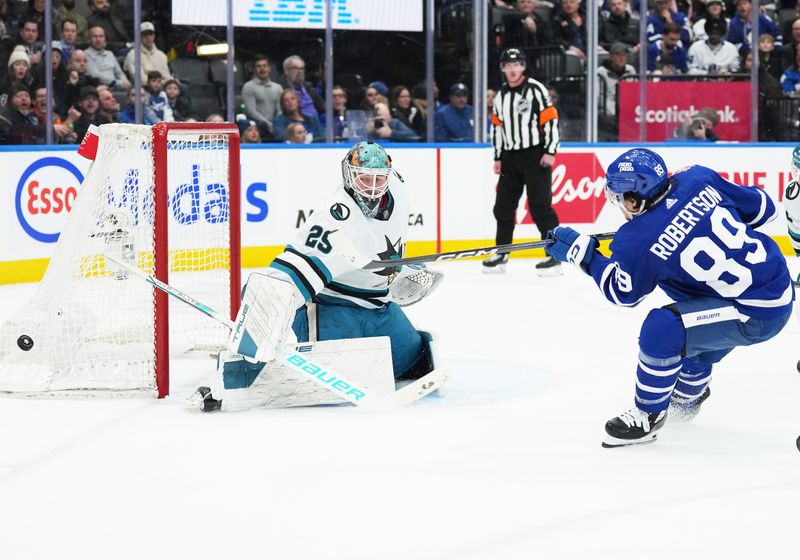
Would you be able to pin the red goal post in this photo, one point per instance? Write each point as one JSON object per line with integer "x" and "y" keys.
{"x": 163, "y": 134}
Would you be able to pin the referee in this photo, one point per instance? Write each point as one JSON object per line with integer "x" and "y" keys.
{"x": 525, "y": 138}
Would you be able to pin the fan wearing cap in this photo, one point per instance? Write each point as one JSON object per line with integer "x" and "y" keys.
{"x": 526, "y": 138}
{"x": 714, "y": 55}
{"x": 153, "y": 59}
{"x": 18, "y": 124}
{"x": 715, "y": 9}
{"x": 455, "y": 121}
{"x": 613, "y": 69}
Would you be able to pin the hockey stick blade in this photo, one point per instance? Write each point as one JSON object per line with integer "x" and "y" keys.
{"x": 293, "y": 357}
{"x": 348, "y": 251}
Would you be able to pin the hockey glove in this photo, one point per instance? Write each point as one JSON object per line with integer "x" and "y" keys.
{"x": 571, "y": 247}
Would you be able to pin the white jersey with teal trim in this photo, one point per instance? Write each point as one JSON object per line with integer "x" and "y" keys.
{"x": 791, "y": 203}
{"x": 319, "y": 273}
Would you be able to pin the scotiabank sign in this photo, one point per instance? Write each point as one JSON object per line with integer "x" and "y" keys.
{"x": 670, "y": 103}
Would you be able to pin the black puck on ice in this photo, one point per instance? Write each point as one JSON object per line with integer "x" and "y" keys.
{"x": 798, "y": 365}
{"x": 798, "y": 443}
{"x": 25, "y": 342}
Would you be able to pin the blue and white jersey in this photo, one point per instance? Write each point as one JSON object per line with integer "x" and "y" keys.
{"x": 321, "y": 274}
{"x": 700, "y": 241}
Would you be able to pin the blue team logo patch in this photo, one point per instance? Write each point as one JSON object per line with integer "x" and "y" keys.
{"x": 340, "y": 212}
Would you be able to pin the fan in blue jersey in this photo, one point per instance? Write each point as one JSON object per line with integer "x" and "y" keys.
{"x": 694, "y": 235}
{"x": 329, "y": 297}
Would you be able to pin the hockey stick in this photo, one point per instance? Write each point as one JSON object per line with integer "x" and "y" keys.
{"x": 347, "y": 250}
{"x": 292, "y": 356}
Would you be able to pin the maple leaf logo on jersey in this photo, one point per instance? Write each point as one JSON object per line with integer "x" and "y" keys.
{"x": 671, "y": 202}
{"x": 393, "y": 251}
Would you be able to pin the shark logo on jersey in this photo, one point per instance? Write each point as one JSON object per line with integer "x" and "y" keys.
{"x": 393, "y": 251}
{"x": 523, "y": 105}
{"x": 340, "y": 212}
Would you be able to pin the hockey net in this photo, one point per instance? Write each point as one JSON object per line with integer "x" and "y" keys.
{"x": 166, "y": 199}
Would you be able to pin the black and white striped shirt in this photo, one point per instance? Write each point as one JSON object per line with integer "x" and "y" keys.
{"x": 524, "y": 117}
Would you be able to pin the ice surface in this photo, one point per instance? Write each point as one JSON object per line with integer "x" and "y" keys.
{"x": 506, "y": 464}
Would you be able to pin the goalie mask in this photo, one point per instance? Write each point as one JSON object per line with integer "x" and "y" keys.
{"x": 366, "y": 169}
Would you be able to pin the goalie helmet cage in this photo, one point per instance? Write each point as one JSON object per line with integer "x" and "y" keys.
{"x": 165, "y": 199}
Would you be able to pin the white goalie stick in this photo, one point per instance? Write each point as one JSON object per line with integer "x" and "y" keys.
{"x": 293, "y": 356}
{"x": 347, "y": 250}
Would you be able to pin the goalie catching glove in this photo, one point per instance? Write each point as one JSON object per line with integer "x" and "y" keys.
{"x": 414, "y": 283}
{"x": 571, "y": 247}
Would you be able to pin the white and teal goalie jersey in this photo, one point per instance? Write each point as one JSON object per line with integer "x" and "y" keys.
{"x": 791, "y": 203}
{"x": 322, "y": 275}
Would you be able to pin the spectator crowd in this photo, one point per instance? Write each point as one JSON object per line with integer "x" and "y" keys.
{"x": 93, "y": 66}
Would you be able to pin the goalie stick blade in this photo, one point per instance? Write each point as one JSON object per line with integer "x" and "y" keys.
{"x": 412, "y": 392}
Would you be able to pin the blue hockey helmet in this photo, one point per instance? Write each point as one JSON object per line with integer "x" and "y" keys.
{"x": 639, "y": 172}
{"x": 796, "y": 163}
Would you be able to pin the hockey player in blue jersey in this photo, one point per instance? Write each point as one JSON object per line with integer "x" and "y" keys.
{"x": 694, "y": 235}
{"x": 327, "y": 298}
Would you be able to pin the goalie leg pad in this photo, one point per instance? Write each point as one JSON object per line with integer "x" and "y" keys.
{"x": 339, "y": 321}
{"x": 264, "y": 319}
{"x": 366, "y": 361}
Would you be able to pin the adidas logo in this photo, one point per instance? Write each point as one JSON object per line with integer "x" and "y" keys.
{"x": 671, "y": 202}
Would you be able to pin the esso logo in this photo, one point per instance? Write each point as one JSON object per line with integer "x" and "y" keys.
{"x": 578, "y": 185}
{"x": 45, "y": 194}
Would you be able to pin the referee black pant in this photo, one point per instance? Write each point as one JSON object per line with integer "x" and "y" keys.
{"x": 521, "y": 169}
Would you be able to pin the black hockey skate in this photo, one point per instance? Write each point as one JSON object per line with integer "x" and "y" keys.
{"x": 203, "y": 399}
{"x": 549, "y": 267}
{"x": 495, "y": 264}
{"x": 687, "y": 410}
{"x": 634, "y": 427}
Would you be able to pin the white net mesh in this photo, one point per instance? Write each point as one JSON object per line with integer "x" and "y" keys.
{"x": 93, "y": 327}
